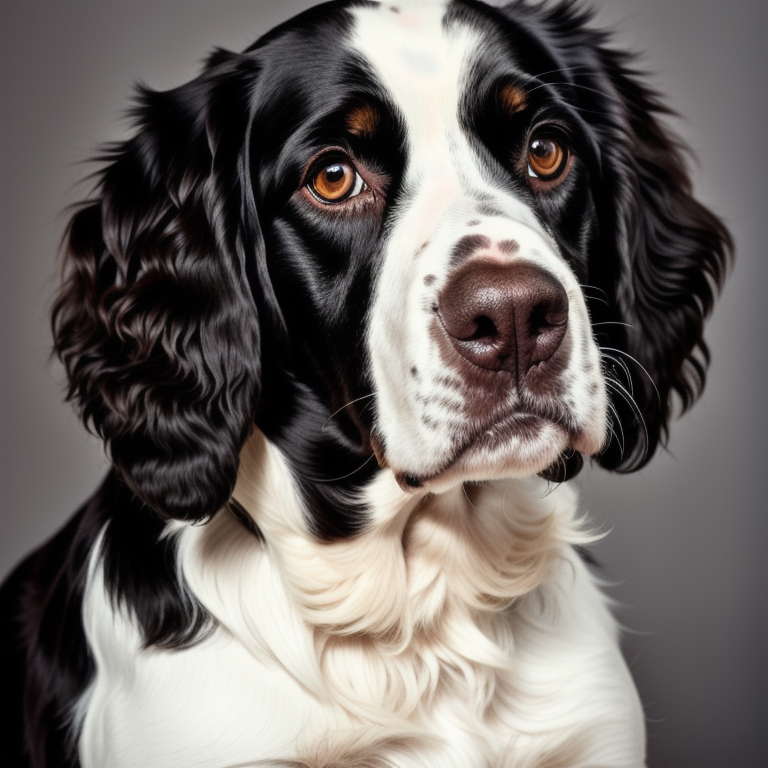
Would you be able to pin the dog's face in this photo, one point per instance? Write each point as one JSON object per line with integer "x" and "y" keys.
{"x": 451, "y": 237}
{"x": 423, "y": 261}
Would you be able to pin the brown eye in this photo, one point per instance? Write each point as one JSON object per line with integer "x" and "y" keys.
{"x": 546, "y": 159}
{"x": 336, "y": 182}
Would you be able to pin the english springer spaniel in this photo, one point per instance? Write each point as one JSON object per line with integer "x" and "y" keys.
{"x": 348, "y": 310}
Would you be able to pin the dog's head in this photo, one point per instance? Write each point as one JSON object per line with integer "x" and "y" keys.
{"x": 453, "y": 238}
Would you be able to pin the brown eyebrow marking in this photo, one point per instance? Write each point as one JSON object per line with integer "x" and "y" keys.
{"x": 513, "y": 99}
{"x": 363, "y": 120}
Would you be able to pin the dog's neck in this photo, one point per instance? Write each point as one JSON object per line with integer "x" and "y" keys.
{"x": 423, "y": 566}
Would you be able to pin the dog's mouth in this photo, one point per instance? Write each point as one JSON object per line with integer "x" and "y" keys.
{"x": 520, "y": 443}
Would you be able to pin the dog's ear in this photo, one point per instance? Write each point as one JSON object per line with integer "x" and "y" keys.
{"x": 660, "y": 261}
{"x": 155, "y": 322}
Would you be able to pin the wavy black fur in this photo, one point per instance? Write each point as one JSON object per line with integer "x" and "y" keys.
{"x": 199, "y": 299}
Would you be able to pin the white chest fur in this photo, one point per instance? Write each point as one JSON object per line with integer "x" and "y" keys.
{"x": 457, "y": 631}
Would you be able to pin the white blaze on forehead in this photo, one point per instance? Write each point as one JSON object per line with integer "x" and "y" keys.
{"x": 426, "y": 68}
{"x": 421, "y": 65}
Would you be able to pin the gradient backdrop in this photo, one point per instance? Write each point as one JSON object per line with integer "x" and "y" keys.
{"x": 686, "y": 550}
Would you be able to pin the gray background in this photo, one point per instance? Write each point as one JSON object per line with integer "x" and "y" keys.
{"x": 685, "y": 553}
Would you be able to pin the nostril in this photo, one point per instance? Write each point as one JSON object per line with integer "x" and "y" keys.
{"x": 539, "y": 322}
{"x": 464, "y": 323}
{"x": 548, "y": 314}
{"x": 547, "y": 322}
{"x": 485, "y": 330}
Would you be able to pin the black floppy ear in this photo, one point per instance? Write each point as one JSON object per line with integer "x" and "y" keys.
{"x": 155, "y": 322}
{"x": 663, "y": 257}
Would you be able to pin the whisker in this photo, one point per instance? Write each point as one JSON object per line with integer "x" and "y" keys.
{"x": 466, "y": 495}
{"x": 562, "y": 69}
{"x": 626, "y": 370}
{"x": 571, "y": 85}
{"x": 617, "y": 421}
{"x": 504, "y": 497}
{"x": 590, "y": 111}
{"x": 551, "y": 485}
{"x": 593, "y": 288}
{"x": 351, "y": 402}
{"x": 616, "y": 386}
{"x": 639, "y": 365}
{"x": 343, "y": 477}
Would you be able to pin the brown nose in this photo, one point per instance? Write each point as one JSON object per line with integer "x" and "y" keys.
{"x": 504, "y": 316}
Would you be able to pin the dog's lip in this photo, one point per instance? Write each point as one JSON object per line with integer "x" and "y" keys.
{"x": 487, "y": 436}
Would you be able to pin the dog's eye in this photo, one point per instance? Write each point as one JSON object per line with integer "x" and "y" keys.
{"x": 547, "y": 159}
{"x": 335, "y": 182}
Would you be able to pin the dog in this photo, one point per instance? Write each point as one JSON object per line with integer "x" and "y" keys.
{"x": 348, "y": 310}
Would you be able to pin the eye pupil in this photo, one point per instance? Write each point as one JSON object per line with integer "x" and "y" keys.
{"x": 334, "y": 174}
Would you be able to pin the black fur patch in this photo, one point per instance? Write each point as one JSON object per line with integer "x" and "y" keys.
{"x": 46, "y": 662}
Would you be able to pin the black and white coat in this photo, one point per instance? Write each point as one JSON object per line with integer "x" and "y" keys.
{"x": 359, "y": 299}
